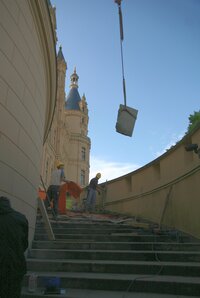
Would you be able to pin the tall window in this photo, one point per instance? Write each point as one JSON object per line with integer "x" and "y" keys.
{"x": 82, "y": 177}
{"x": 83, "y": 153}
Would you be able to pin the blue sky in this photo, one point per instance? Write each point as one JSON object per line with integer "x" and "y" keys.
{"x": 162, "y": 71}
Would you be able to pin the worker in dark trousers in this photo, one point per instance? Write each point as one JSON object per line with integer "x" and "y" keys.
{"x": 53, "y": 192}
{"x": 91, "y": 195}
{"x": 13, "y": 244}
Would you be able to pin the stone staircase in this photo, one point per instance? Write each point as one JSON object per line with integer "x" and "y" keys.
{"x": 107, "y": 258}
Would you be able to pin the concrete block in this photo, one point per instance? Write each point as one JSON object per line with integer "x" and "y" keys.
{"x": 6, "y": 184}
{"x": 24, "y": 8}
{"x": 3, "y": 92}
{"x": 8, "y": 125}
{"x": 13, "y": 31}
{"x": 37, "y": 72}
{"x": 16, "y": 108}
{"x": 7, "y": 44}
{"x": 37, "y": 137}
{"x": 11, "y": 76}
{"x": 27, "y": 29}
{"x": 29, "y": 103}
{"x": 13, "y": 9}
{"x": 22, "y": 188}
{"x": 8, "y": 150}
{"x": 23, "y": 69}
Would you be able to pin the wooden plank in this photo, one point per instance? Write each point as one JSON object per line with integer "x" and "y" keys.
{"x": 45, "y": 217}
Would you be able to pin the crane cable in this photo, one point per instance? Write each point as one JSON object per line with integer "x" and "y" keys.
{"x": 121, "y": 47}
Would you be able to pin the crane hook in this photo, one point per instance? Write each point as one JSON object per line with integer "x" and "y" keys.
{"x": 118, "y": 2}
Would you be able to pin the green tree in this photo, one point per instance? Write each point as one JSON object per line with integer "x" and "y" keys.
{"x": 194, "y": 120}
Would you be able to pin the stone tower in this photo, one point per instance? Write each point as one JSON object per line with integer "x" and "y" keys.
{"x": 67, "y": 140}
{"x": 76, "y": 119}
{"x": 53, "y": 146}
{"x": 62, "y": 129}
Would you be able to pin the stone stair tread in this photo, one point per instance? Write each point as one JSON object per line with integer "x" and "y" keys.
{"x": 118, "y": 276}
{"x": 93, "y": 228}
{"x": 105, "y": 237}
{"x": 109, "y": 233}
{"x": 180, "y": 252}
{"x": 77, "y": 293}
{"x": 124, "y": 262}
{"x": 117, "y": 242}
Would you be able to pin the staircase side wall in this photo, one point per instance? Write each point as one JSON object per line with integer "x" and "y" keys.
{"x": 27, "y": 99}
{"x": 166, "y": 191}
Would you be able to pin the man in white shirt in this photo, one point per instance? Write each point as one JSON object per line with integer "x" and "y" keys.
{"x": 57, "y": 177}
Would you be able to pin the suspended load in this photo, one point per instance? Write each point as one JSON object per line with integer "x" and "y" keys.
{"x": 126, "y": 115}
{"x": 126, "y": 120}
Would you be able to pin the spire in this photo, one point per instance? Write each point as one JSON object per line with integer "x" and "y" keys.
{"x": 74, "y": 79}
{"x": 60, "y": 53}
{"x": 83, "y": 97}
{"x": 73, "y": 99}
{"x": 49, "y": 2}
{"x": 83, "y": 104}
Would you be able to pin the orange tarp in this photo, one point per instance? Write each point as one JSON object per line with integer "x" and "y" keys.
{"x": 73, "y": 189}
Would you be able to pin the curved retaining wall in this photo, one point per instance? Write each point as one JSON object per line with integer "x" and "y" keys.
{"x": 165, "y": 191}
{"x": 27, "y": 99}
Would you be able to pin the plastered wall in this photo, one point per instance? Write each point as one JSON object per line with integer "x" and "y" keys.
{"x": 27, "y": 98}
{"x": 165, "y": 191}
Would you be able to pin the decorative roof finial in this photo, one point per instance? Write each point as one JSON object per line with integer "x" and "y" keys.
{"x": 60, "y": 53}
{"x": 74, "y": 79}
{"x": 83, "y": 97}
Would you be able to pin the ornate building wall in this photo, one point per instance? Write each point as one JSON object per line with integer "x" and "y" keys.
{"x": 68, "y": 140}
{"x": 76, "y": 118}
{"x": 53, "y": 145}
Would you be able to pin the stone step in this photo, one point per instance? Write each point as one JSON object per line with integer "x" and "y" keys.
{"x": 90, "y": 225}
{"x": 93, "y": 257}
{"x": 110, "y": 266}
{"x": 76, "y": 293}
{"x": 173, "y": 256}
{"x": 88, "y": 231}
{"x": 80, "y": 244}
{"x": 122, "y": 284}
{"x": 113, "y": 237}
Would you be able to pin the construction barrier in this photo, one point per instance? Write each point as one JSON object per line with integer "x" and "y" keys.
{"x": 67, "y": 190}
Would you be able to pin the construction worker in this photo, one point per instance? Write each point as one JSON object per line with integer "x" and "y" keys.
{"x": 57, "y": 177}
{"x": 13, "y": 244}
{"x": 91, "y": 195}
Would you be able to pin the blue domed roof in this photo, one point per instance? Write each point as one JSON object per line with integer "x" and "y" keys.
{"x": 72, "y": 100}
